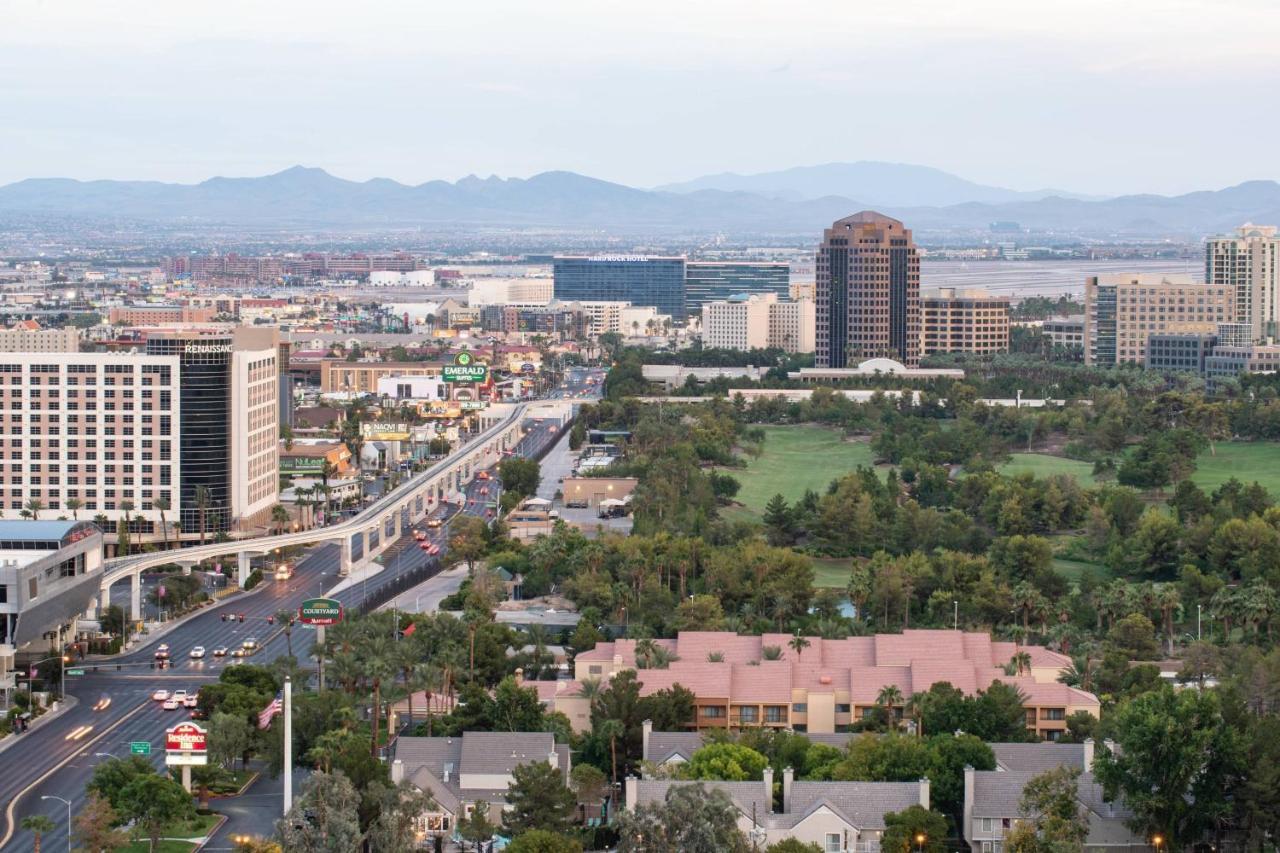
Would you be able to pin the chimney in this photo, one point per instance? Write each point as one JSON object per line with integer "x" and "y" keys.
{"x": 397, "y": 771}
{"x": 924, "y": 792}
{"x": 1109, "y": 745}
{"x": 768, "y": 790}
{"x": 646, "y": 729}
{"x": 554, "y": 759}
{"x": 630, "y": 787}
{"x": 788, "y": 777}
{"x": 968, "y": 798}
{"x": 519, "y": 675}
{"x": 1088, "y": 755}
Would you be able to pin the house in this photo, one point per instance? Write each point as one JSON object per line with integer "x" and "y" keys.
{"x": 672, "y": 748}
{"x": 993, "y": 798}
{"x": 840, "y": 817}
{"x": 458, "y": 772}
{"x": 827, "y": 685}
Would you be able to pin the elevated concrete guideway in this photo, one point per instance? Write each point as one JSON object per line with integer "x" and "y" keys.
{"x": 368, "y": 533}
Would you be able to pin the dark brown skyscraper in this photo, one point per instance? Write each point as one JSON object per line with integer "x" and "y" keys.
{"x": 868, "y": 292}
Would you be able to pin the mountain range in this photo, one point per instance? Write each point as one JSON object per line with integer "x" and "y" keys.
{"x": 778, "y": 203}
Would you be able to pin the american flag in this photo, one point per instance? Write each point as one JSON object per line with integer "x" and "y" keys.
{"x": 267, "y": 714}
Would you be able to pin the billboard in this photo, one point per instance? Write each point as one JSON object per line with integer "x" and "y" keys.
{"x": 186, "y": 743}
{"x": 465, "y": 368}
{"x": 320, "y": 611}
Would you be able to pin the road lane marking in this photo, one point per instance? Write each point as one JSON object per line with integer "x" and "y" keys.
{"x": 13, "y": 804}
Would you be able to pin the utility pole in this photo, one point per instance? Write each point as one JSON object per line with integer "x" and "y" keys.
{"x": 288, "y": 744}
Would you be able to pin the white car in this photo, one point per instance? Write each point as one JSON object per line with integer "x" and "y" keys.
{"x": 191, "y": 701}
{"x": 179, "y": 695}
{"x": 197, "y": 652}
{"x": 250, "y": 644}
{"x": 220, "y": 651}
{"x": 160, "y": 695}
{"x": 162, "y": 653}
{"x": 171, "y": 704}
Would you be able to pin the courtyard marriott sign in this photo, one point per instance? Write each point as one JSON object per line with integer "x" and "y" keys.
{"x": 320, "y": 611}
{"x": 465, "y": 368}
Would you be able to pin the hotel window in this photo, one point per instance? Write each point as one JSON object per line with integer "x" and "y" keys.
{"x": 747, "y": 714}
{"x": 713, "y": 711}
{"x": 775, "y": 714}
{"x": 800, "y": 707}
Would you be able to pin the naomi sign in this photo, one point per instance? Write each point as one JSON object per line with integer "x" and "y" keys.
{"x": 320, "y": 611}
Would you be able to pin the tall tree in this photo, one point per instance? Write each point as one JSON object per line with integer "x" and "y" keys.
{"x": 39, "y": 826}
{"x": 161, "y": 505}
{"x": 691, "y": 819}
{"x": 153, "y": 802}
{"x": 95, "y": 827}
{"x": 537, "y": 798}
{"x": 325, "y": 818}
{"x": 1056, "y": 823}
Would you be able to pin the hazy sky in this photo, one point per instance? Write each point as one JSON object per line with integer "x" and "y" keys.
{"x": 1101, "y": 96}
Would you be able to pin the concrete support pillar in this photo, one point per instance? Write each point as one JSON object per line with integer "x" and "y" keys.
{"x": 104, "y": 599}
{"x": 242, "y": 568}
{"x": 135, "y": 596}
{"x": 344, "y": 561}
{"x": 186, "y": 568}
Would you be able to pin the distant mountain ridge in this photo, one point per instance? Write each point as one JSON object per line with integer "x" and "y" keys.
{"x": 876, "y": 183}
{"x": 309, "y": 197}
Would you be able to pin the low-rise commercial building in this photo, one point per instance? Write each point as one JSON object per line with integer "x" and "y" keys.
{"x": 362, "y": 377}
{"x": 1183, "y": 353}
{"x": 963, "y": 321}
{"x": 308, "y": 458}
{"x": 1065, "y": 333}
{"x": 590, "y": 491}
{"x": 1226, "y": 362}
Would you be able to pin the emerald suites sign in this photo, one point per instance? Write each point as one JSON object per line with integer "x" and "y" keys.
{"x": 465, "y": 368}
{"x": 320, "y": 611}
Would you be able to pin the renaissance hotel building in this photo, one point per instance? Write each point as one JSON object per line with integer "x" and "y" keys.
{"x": 193, "y": 419}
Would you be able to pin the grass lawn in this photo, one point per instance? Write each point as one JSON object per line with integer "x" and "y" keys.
{"x": 796, "y": 458}
{"x": 165, "y": 846}
{"x": 1042, "y": 465}
{"x": 1247, "y": 461}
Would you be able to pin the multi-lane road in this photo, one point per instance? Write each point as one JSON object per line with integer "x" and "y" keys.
{"x": 57, "y": 758}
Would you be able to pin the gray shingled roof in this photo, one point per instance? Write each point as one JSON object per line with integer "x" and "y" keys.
{"x": 663, "y": 745}
{"x": 424, "y": 759}
{"x": 862, "y": 804}
{"x": 998, "y": 793}
{"x": 501, "y": 752}
{"x": 1038, "y": 756}
{"x": 745, "y": 795}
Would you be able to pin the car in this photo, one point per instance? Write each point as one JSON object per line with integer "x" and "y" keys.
{"x": 484, "y": 490}
{"x": 426, "y": 546}
{"x": 239, "y": 653}
{"x": 179, "y": 695}
{"x": 435, "y": 522}
{"x": 435, "y": 549}
{"x": 220, "y": 651}
{"x": 197, "y": 652}
{"x": 483, "y": 475}
{"x": 250, "y": 643}
{"x": 162, "y": 653}
{"x": 191, "y": 701}
{"x": 242, "y": 617}
{"x": 171, "y": 704}
{"x": 419, "y": 535}
{"x": 102, "y": 704}
{"x": 160, "y": 695}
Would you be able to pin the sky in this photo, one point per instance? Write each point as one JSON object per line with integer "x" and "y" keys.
{"x": 1092, "y": 96}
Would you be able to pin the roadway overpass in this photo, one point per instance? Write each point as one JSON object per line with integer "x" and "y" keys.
{"x": 368, "y": 533}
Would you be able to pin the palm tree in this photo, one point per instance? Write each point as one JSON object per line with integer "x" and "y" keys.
{"x": 715, "y": 657}
{"x": 590, "y": 689}
{"x": 915, "y": 706}
{"x": 285, "y": 618}
{"x": 204, "y": 500}
{"x": 126, "y": 507}
{"x": 38, "y": 825}
{"x": 1021, "y": 662}
{"x": 75, "y": 505}
{"x": 161, "y": 505}
{"x": 1027, "y": 599}
{"x": 646, "y": 649}
{"x": 1225, "y": 603}
{"x": 377, "y": 664}
{"x": 34, "y": 507}
{"x": 279, "y": 517}
{"x": 1167, "y": 600}
{"x": 771, "y": 653}
{"x": 611, "y": 730}
{"x": 798, "y": 644}
{"x": 890, "y": 699}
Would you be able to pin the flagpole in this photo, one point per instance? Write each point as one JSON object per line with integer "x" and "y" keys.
{"x": 288, "y": 744}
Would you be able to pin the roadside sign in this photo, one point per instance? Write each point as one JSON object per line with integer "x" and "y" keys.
{"x": 186, "y": 744}
{"x": 320, "y": 611}
{"x": 75, "y": 672}
{"x": 140, "y": 747}
{"x": 465, "y": 369}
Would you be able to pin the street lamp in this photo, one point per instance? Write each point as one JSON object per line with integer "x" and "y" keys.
{"x": 1157, "y": 840}
{"x": 920, "y": 839}
{"x": 68, "y": 803}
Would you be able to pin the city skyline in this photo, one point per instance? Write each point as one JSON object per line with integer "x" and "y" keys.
{"x": 529, "y": 91}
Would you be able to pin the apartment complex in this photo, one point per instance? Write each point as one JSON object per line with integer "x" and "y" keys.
{"x": 361, "y": 377}
{"x": 638, "y": 279}
{"x": 712, "y": 281}
{"x": 963, "y": 321}
{"x": 868, "y": 292}
{"x": 1246, "y": 264}
{"x": 154, "y": 315}
{"x": 19, "y": 339}
{"x": 1123, "y": 311}
{"x": 829, "y": 685}
{"x": 193, "y": 419}
{"x": 507, "y": 291}
{"x": 759, "y": 320}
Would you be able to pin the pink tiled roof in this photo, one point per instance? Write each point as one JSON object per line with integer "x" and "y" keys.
{"x": 769, "y": 682}
{"x": 706, "y": 680}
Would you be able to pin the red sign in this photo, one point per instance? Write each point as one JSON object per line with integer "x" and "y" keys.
{"x": 186, "y": 737}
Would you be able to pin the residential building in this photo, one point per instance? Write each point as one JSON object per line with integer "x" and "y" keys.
{"x": 868, "y": 292}
{"x": 1065, "y": 333}
{"x": 638, "y": 279}
{"x": 1184, "y": 353}
{"x": 191, "y": 412}
{"x": 667, "y": 749}
{"x": 460, "y": 771}
{"x": 1122, "y": 311}
{"x": 831, "y": 684}
{"x": 1247, "y": 264}
{"x": 22, "y": 339}
{"x": 755, "y": 321}
{"x": 713, "y": 281}
{"x": 954, "y": 320}
{"x": 50, "y": 572}
{"x": 362, "y": 377}
{"x": 154, "y": 315}
{"x": 993, "y": 798}
{"x": 840, "y": 817}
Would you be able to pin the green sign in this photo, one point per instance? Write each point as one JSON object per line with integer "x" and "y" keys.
{"x": 465, "y": 368}
{"x": 140, "y": 747}
{"x": 474, "y": 405}
{"x": 320, "y": 611}
{"x": 75, "y": 672}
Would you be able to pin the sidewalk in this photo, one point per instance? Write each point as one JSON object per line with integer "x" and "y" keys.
{"x": 63, "y": 705}
{"x": 357, "y": 575}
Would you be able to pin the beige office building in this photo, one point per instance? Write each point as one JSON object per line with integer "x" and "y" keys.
{"x": 1246, "y": 264}
{"x": 758, "y": 321}
{"x": 963, "y": 321}
{"x": 1122, "y": 311}
{"x": 39, "y": 340}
